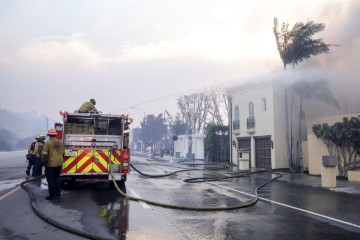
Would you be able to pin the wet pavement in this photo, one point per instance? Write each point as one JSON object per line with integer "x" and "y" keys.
{"x": 292, "y": 207}
{"x": 342, "y": 185}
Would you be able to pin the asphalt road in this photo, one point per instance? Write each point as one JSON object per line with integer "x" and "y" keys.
{"x": 284, "y": 211}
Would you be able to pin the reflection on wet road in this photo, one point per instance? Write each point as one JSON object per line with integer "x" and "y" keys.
{"x": 116, "y": 215}
{"x": 284, "y": 211}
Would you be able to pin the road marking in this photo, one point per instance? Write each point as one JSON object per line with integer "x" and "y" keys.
{"x": 143, "y": 204}
{"x": 292, "y": 207}
{"x": 282, "y": 204}
{"x": 9, "y": 193}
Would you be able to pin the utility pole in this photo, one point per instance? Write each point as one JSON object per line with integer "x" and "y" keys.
{"x": 142, "y": 147}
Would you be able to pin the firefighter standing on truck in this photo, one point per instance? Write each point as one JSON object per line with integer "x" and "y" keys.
{"x": 52, "y": 157}
{"x": 88, "y": 106}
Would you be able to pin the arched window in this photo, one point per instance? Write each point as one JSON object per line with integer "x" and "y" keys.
{"x": 251, "y": 109}
{"x": 251, "y": 119}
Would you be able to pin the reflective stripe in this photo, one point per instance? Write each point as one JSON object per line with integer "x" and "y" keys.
{"x": 89, "y": 161}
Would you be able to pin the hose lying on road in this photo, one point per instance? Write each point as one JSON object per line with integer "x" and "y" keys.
{"x": 166, "y": 205}
{"x": 53, "y": 222}
{"x": 88, "y": 235}
{"x": 218, "y": 166}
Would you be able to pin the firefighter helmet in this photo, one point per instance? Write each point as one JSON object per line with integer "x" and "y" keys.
{"x": 52, "y": 132}
{"x": 93, "y": 101}
{"x": 41, "y": 136}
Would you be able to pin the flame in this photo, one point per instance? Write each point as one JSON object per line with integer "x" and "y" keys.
{"x": 323, "y": 61}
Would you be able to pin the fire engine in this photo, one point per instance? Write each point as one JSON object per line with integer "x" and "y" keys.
{"x": 96, "y": 145}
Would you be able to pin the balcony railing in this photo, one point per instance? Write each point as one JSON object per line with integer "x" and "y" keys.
{"x": 236, "y": 125}
{"x": 250, "y": 123}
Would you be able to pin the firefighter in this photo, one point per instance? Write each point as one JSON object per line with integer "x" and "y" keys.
{"x": 88, "y": 106}
{"x": 31, "y": 158}
{"x": 52, "y": 158}
{"x": 37, "y": 151}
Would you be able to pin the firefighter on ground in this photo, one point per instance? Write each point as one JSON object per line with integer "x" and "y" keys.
{"x": 31, "y": 158}
{"x": 37, "y": 151}
{"x": 52, "y": 158}
{"x": 88, "y": 106}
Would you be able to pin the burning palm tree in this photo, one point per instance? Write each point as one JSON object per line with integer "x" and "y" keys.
{"x": 296, "y": 45}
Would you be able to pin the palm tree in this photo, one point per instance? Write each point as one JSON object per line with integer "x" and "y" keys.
{"x": 318, "y": 90}
{"x": 297, "y": 45}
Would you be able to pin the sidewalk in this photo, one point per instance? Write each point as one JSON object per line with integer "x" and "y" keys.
{"x": 315, "y": 181}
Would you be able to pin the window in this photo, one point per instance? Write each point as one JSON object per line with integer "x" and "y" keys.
{"x": 236, "y": 122}
{"x": 101, "y": 126}
{"x": 251, "y": 109}
{"x": 264, "y": 104}
{"x": 251, "y": 119}
{"x": 114, "y": 126}
{"x": 107, "y": 126}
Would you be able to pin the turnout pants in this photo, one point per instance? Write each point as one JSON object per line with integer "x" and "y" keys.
{"x": 31, "y": 164}
{"x": 52, "y": 175}
{"x": 38, "y": 168}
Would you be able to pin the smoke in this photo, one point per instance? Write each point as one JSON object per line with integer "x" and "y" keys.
{"x": 342, "y": 27}
{"x": 344, "y": 61}
{"x": 340, "y": 67}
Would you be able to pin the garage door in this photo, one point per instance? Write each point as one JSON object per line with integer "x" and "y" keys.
{"x": 263, "y": 152}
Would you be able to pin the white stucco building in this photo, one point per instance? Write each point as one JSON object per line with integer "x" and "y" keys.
{"x": 181, "y": 146}
{"x": 267, "y": 122}
{"x": 258, "y": 123}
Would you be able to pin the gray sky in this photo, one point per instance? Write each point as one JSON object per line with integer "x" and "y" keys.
{"x": 57, "y": 54}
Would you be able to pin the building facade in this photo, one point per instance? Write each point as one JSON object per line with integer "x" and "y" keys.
{"x": 258, "y": 120}
{"x": 270, "y": 124}
{"x": 315, "y": 147}
{"x": 181, "y": 146}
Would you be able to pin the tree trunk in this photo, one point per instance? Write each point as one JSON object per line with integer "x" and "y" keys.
{"x": 291, "y": 131}
{"x": 299, "y": 147}
{"x": 287, "y": 128}
{"x": 189, "y": 153}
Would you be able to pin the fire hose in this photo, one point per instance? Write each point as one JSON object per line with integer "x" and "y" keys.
{"x": 53, "y": 222}
{"x": 189, "y": 208}
{"x": 86, "y": 234}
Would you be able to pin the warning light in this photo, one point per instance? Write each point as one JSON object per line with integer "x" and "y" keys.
{"x": 63, "y": 113}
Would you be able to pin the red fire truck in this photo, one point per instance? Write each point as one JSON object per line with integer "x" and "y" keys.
{"x": 96, "y": 144}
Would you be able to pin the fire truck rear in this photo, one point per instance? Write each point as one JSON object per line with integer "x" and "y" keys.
{"x": 96, "y": 145}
